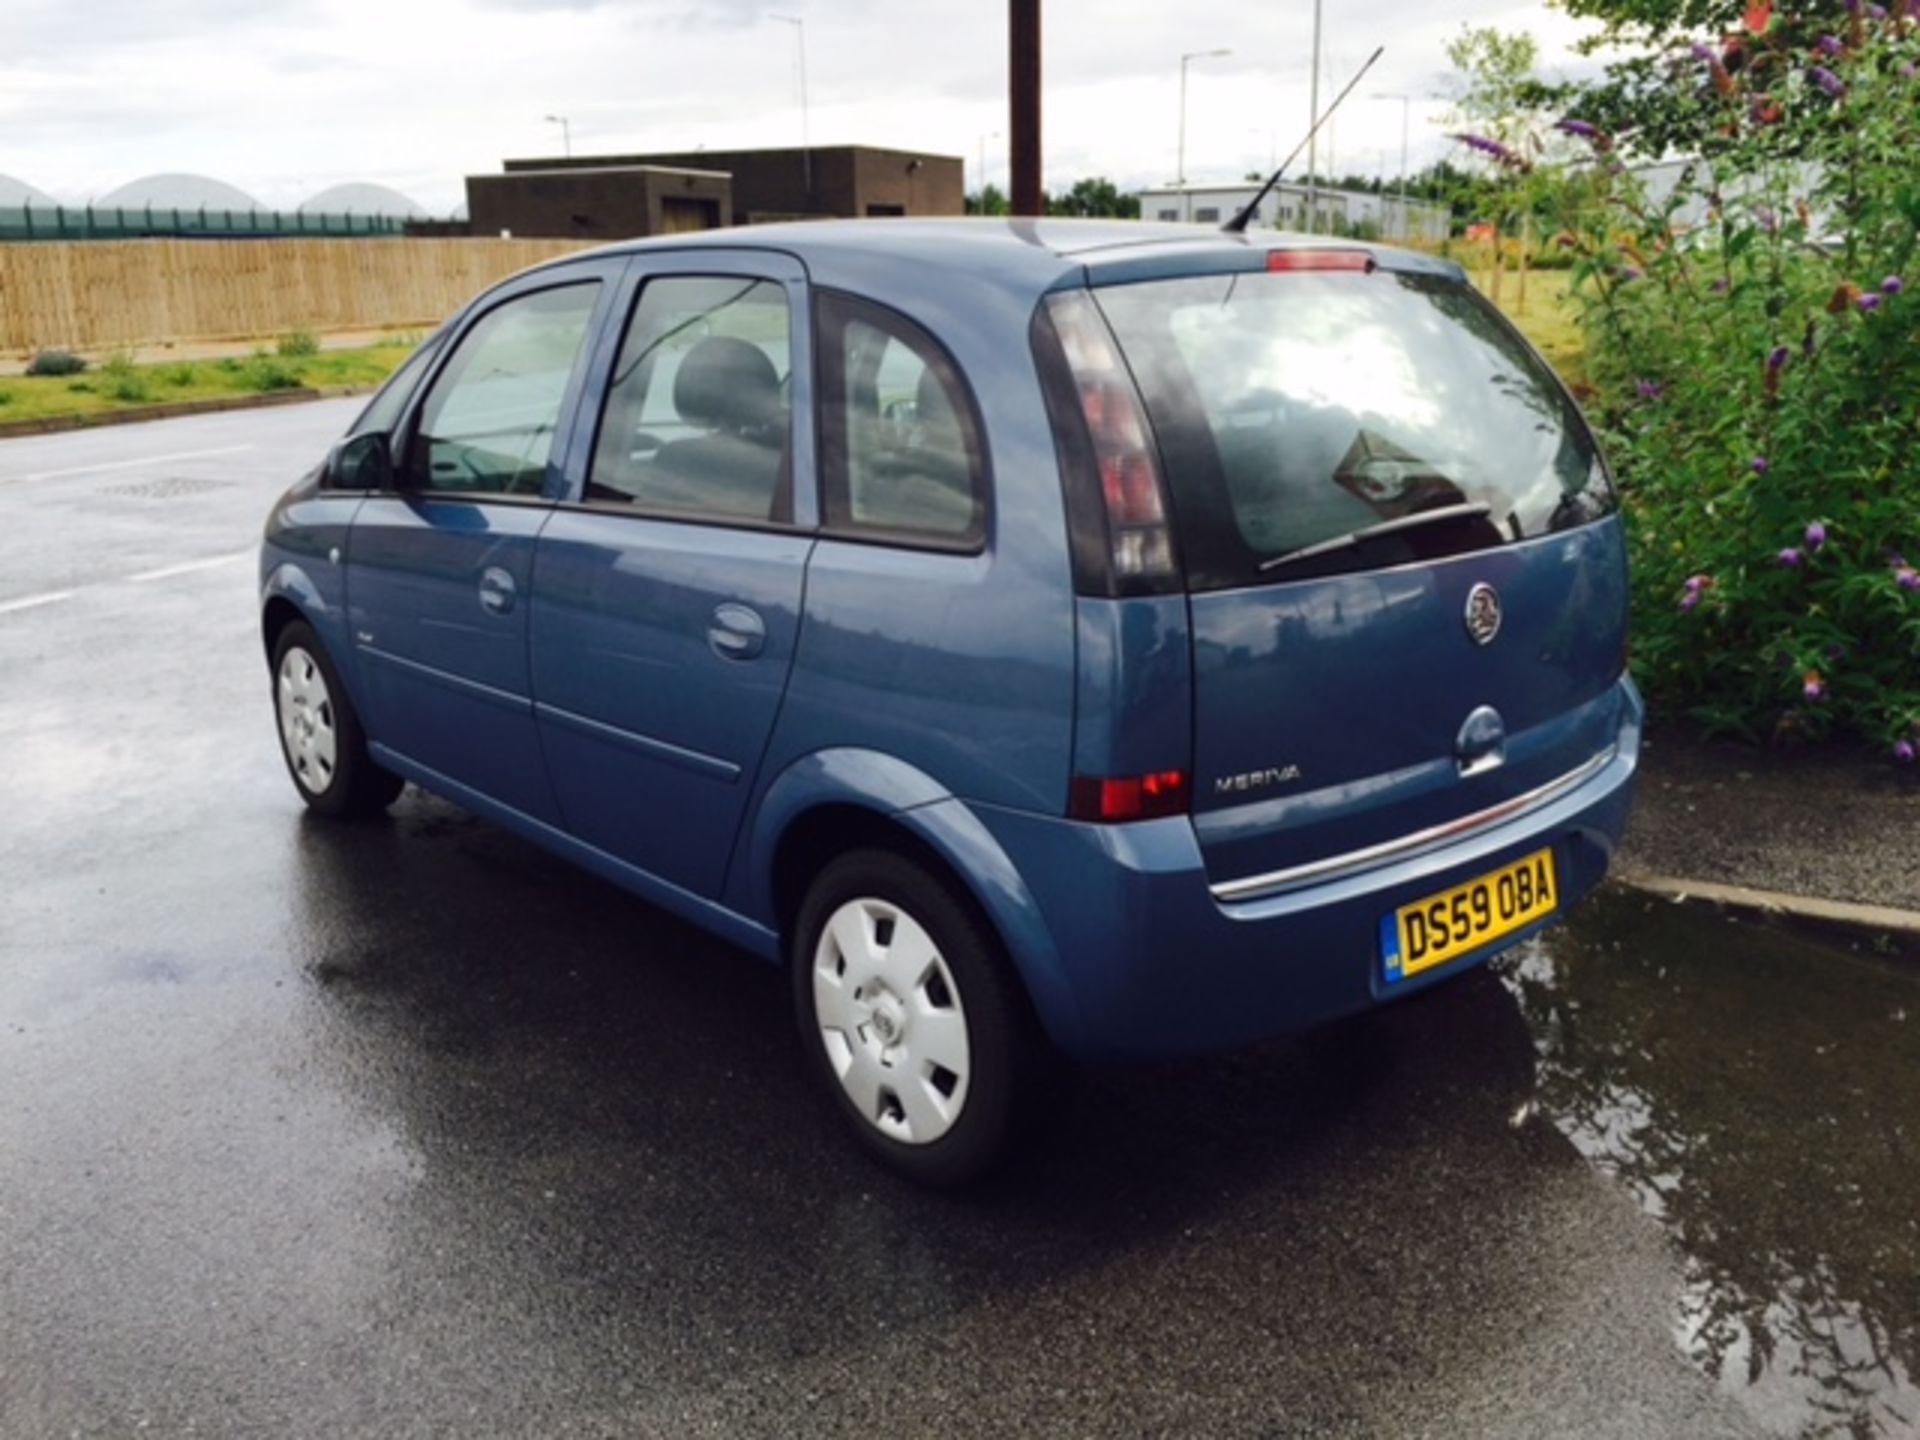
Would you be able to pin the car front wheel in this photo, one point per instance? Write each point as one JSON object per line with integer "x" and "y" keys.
{"x": 911, "y": 1015}
{"x": 320, "y": 735}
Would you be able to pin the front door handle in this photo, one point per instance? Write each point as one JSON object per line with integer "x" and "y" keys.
{"x": 497, "y": 591}
{"x": 737, "y": 632}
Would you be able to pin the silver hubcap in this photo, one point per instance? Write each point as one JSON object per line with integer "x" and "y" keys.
{"x": 306, "y": 720}
{"x": 890, "y": 1019}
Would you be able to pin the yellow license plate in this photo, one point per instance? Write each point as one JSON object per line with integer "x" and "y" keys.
{"x": 1446, "y": 926}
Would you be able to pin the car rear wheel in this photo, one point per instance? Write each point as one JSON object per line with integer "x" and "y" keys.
{"x": 320, "y": 735}
{"x": 911, "y": 1015}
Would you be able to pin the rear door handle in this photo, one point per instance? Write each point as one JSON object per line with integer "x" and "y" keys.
{"x": 497, "y": 590}
{"x": 737, "y": 632}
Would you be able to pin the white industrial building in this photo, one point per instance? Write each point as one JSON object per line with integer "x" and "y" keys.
{"x": 1286, "y": 208}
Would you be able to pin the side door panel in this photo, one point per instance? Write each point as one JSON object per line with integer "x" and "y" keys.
{"x": 667, "y": 598}
{"x": 439, "y": 572}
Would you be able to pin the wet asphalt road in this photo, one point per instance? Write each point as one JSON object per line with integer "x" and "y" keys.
{"x": 408, "y": 1129}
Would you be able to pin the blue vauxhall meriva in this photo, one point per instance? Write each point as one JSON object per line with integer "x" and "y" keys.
{"x": 1122, "y": 638}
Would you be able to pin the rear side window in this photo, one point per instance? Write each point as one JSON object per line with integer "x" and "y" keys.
{"x": 1296, "y": 410}
{"x": 900, "y": 442}
{"x": 698, "y": 417}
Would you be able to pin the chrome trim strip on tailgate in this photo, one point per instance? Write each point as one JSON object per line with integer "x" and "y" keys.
{"x": 1255, "y": 887}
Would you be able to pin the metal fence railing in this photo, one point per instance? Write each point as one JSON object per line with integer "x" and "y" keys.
{"x": 131, "y": 222}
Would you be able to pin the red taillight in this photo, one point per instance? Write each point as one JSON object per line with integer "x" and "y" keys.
{"x": 1319, "y": 260}
{"x": 1128, "y": 797}
{"x": 1139, "y": 540}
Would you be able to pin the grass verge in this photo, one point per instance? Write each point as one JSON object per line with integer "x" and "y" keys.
{"x": 117, "y": 384}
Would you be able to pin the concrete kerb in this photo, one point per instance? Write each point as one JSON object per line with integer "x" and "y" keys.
{"x": 172, "y": 409}
{"x": 1884, "y": 927}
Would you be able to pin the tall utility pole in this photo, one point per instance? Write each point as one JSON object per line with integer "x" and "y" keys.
{"x": 806, "y": 138}
{"x": 1023, "y": 102}
{"x": 1313, "y": 122}
{"x": 1406, "y": 125}
{"x": 1186, "y": 201}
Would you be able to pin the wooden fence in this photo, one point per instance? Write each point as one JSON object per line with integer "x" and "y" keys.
{"x": 92, "y": 295}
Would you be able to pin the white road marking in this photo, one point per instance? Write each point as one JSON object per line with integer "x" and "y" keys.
{"x": 167, "y": 572}
{"x": 29, "y": 602}
{"x": 107, "y": 465}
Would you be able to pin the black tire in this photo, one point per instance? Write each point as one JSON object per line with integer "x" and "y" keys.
{"x": 350, "y": 785}
{"x": 1003, "y": 1041}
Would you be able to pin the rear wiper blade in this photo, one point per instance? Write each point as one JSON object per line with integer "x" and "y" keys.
{"x": 1419, "y": 519}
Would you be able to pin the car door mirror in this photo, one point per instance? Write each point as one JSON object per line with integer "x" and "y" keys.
{"x": 360, "y": 462}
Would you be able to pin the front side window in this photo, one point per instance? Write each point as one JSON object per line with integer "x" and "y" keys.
{"x": 383, "y": 411}
{"x": 698, "y": 418}
{"x": 1301, "y": 415}
{"x": 488, "y": 423}
{"x": 901, "y": 451}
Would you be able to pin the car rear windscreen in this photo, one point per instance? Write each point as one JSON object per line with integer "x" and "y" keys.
{"x": 1305, "y": 419}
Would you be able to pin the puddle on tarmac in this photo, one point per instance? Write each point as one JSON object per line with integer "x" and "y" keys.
{"x": 1759, "y": 1095}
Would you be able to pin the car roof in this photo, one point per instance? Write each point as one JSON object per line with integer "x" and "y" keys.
{"x": 1012, "y": 254}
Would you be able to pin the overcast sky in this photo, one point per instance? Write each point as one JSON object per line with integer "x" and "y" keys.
{"x": 284, "y": 97}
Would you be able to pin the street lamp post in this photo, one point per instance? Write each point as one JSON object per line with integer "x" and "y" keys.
{"x": 980, "y": 176}
{"x": 806, "y": 139}
{"x": 1313, "y": 122}
{"x": 1406, "y": 124}
{"x": 566, "y": 134}
{"x": 1186, "y": 200}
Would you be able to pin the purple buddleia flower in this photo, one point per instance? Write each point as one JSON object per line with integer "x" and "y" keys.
{"x": 1828, "y": 81}
{"x": 1647, "y": 389}
{"x": 1876, "y": 12}
{"x": 1719, "y": 287}
{"x": 1789, "y": 558}
{"x": 1584, "y": 129}
{"x": 1815, "y": 688}
{"x": 1702, "y": 53}
{"x": 1907, "y": 578}
{"x": 1830, "y": 45}
{"x": 1868, "y": 302}
{"x": 1758, "y": 464}
{"x": 1816, "y": 535}
{"x": 1629, "y": 273}
{"x": 1494, "y": 149}
{"x": 1903, "y": 751}
{"x": 1893, "y": 284}
{"x": 1777, "y": 360}
{"x": 1689, "y": 601}
{"x": 1908, "y": 70}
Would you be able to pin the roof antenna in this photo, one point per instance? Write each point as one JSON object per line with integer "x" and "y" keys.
{"x": 1238, "y": 224}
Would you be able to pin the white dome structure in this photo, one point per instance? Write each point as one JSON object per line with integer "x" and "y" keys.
{"x": 362, "y": 198}
{"x": 178, "y": 192}
{"x": 15, "y": 193}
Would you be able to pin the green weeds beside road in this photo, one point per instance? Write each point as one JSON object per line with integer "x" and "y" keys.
{"x": 117, "y": 384}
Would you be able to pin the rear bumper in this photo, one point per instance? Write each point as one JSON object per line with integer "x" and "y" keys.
{"x": 1151, "y": 962}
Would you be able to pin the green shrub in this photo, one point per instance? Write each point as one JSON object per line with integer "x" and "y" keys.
{"x": 6, "y": 397}
{"x": 123, "y": 380}
{"x": 178, "y": 375}
{"x": 265, "y": 372}
{"x": 55, "y": 362}
{"x": 1756, "y": 381}
{"x": 297, "y": 345}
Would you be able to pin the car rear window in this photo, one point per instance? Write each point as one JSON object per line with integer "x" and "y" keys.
{"x": 1296, "y": 410}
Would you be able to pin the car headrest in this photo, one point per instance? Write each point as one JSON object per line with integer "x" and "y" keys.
{"x": 727, "y": 384}
{"x": 933, "y": 408}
